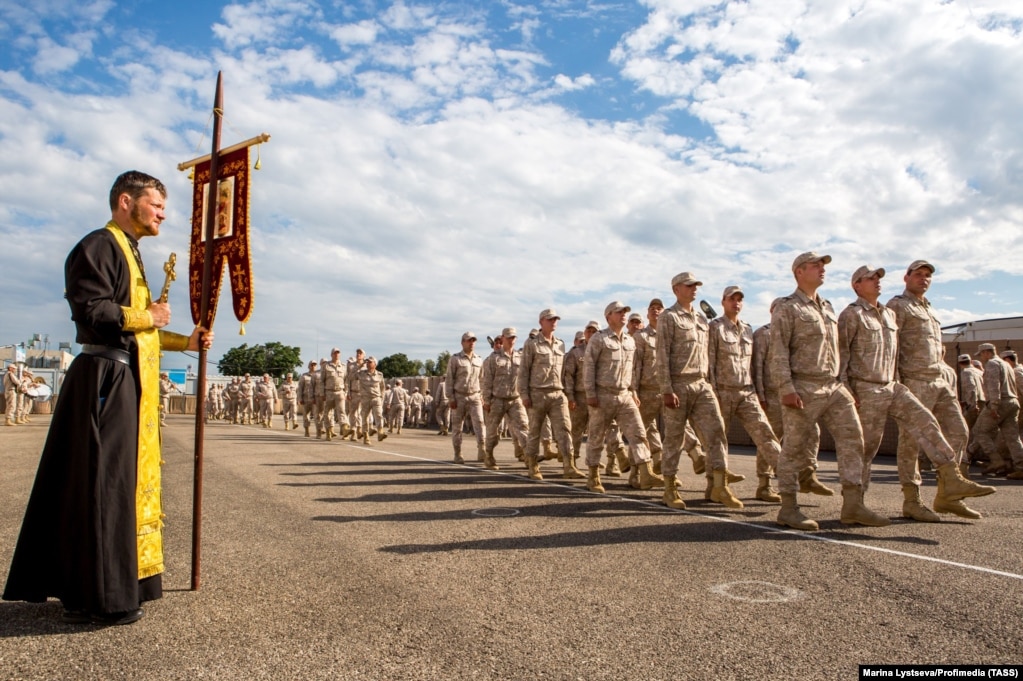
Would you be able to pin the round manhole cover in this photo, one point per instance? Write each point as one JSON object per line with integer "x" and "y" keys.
{"x": 496, "y": 512}
{"x": 757, "y": 592}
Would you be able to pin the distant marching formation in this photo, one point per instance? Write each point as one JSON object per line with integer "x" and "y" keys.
{"x": 685, "y": 375}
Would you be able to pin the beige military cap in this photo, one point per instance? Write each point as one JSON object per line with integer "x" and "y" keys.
{"x": 730, "y": 291}
{"x": 635, "y": 316}
{"x": 656, "y": 302}
{"x": 509, "y": 332}
{"x": 337, "y": 350}
{"x": 986, "y": 346}
{"x": 687, "y": 278}
{"x": 468, "y": 335}
{"x": 917, "y": 264}
{"x": 371, "y": 358}
{"x": 1006, "y": 354}
{"x": 593, "y": 325}
{"x": 579, "y": 335}
{"x": 964, "y": 358}
{"x": 616, "y": 306}
{"x": 549, "y": 313}
{"x": 809, "y": 256}
{"x": 865, "y": 272}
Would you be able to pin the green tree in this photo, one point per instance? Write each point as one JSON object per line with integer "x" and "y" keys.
{"x": 274, "y": 358}
{"x": 441, "y": 367}
{"x": 398, "y": 365}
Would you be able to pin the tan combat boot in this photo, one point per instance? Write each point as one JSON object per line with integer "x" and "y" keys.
{"x": 791, "y": 516}
{"x": 611, "y": 469}
{"x": 855, "y": 513}
{"x": 721, "y": 493}
{"x": 570, "y": 472}
{"x": 489, "y": 461}
{"x": 809, "y": 484}
{"x": 913, "y": 507}
{"x": 458, "y": 457}
{"x": 548, "y": 451}
{"x": 520, "y": 454}
{"x": 534, "y": 468}
{"x": 623, "y": 460}
{"x": 657, "y": 462}
{"x": 765, "y": 492}
{"x": 647, "y": 478}
{"x": 307, "y": 431}
{"x": 954, "y": 486}
{"x": 709, "y": 488}
{"x": 330, "y": 434}
{"x": 672, "y": 499}
{"x": 381, "y": 435}
{"x": 9, "y": 422}
{"x": 699, "y": 461}
{"x": 481, "y": 455}
{"x": 593, "y": 480}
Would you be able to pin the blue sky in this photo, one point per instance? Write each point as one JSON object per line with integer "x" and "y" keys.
{"x": 437, "y": 167}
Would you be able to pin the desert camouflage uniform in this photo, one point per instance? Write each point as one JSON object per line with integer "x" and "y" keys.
{"x": 397, "y": 407}
{"x": 804, "y": 359}
{"x": 354, "y": 412}
{"x": 307, "y": 399}
{"x": 607, "y": 377}
{"x": 267, "y": 394}
{"x": 918, "y": 367}
{"x": 868, "y": 339}
{"x": 463, "y": 379}
{"x": 540, "y": 378}
{"x": 246, "y": 392}
{"x": 682, "y": 370}
{"x": 573, "y": 381}
{"x": 371, "y": 399}
{"x": 289, "y": 391}
{"x": 443, "y": 402}
{"x": 334, "y": 376}
{"x": 730, "y": 351}
{"x": 500, "y": 392}
{"x": 999, "y": 416}
{"x": 647, "y": 387}
{"x": 415, "y": 404}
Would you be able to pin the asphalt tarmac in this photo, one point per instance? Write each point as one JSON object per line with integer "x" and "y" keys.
{"x": 329, "y": 560}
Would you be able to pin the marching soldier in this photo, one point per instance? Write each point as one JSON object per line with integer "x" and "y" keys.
{"x": 443, "y": 414}
{"x": 307, "y": 398}
{"x": 543, "y": 392}
{"x": 971, "y": 400}
{"x": 805, "y": 365}
{"x": 371, "y": 399}
{"x": 427, "y": 409}
{"x": 729, "y": 369}
{"x": 399, "y": 401}
{"x": 607, "y": 377}
{"x": 463, "y": 378}
{"x": 355, "y": 365}
{"x": 289, "y": 393}
{"x": 334, "y": 375}
{"x": 645, "y": 383}
{"x": 918, "y": 367}
{"x": 233, "y": 399}
{"x": 868, "y": 339}
{"x": 999, "y": 415}
{"x": 246, "y": 393}
{"x": 682, "y": 371}
{"x": 500, "y": 392}
{"x": 266, "y": 393}
{"x": 415, "y": 402}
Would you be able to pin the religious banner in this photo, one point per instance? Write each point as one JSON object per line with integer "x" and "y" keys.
{"x": 230, "y": 237}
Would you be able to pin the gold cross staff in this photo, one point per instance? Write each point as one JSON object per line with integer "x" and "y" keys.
{"x": 168, "y": 268}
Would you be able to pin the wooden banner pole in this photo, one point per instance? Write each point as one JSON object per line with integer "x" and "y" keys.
{"x": 207, "y": 276}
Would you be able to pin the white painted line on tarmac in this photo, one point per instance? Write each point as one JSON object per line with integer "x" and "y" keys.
{"x": 743, "y": 523}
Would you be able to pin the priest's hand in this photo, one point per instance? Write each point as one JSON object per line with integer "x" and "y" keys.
{"x": 200, "y": 336}
{"x": 161, "y": 314}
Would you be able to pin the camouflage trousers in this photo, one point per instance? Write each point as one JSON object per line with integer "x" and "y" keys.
{"x": 619, "y": 407}
{"x": 444, "y": 415}
{"x": 580, "y": 417}
{"x": 938, "y": 397}
{"x": 697, "y": 406}
{"x": 990, "y": 426}
{"x": 245, "y": 408}
{"x": 742, "y": 403}
{"x": 266, "y": 410}
{"x": 552, "y": 404}
{"x": 397, "y": 417}
{"x": 371, "y": 408}
{"x": 509, "y": 408}
{"x": 773, "y": 410}
{"x": 877, "y": 403}
{"x": 415, "y": 415}
{"x": 467, "y": 407}
{"x": 334, "y": 409}
{"x": 309, "y": 416}
{"x": 10, "y": 404}
{"x": 288, "y": 409}
{"x": 354, "y": 413}
{"x": 832, "y": 403}
{"x": 651, "y": 404}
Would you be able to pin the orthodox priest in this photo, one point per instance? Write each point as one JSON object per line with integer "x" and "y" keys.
{"x": 92, "y": 533}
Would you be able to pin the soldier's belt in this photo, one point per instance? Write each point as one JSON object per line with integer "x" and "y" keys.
{"x": 820, "y": 380}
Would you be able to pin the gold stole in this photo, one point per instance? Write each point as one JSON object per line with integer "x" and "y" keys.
{"x": 147, "y": 491}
